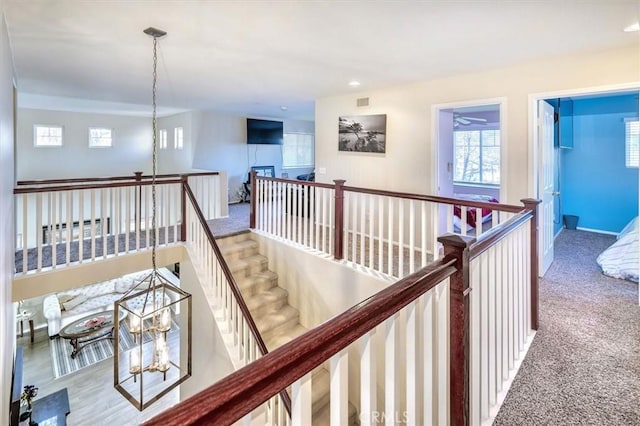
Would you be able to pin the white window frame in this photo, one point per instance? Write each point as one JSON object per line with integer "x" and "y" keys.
{"x": 49, "y": 127}
{"x": 178, "y": 138}
{"x": 632, "y": 142}
{"x": 92, "y": 139}
{"x": 499, "y": 147}
{"x": 299, "y": 165}
{"x": 162, "y": 138}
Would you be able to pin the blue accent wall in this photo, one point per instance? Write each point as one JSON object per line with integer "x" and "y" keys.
{"x": 595, "y": 184}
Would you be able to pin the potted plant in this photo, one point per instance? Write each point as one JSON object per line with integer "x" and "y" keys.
{"x": 28, "y": 394}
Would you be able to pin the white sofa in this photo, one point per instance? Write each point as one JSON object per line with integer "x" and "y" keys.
{"x": 93, "y": 298}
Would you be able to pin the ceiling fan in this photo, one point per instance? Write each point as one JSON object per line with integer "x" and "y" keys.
{"x": 465, "y": 120}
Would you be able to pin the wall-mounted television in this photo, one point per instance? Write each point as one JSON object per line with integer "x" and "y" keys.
{"x": 264, "y": 132}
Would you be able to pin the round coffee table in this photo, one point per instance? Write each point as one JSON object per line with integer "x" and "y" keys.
{"x": 89, "y": 329}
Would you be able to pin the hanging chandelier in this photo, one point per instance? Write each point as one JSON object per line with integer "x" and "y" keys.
{"x": 153, "y": 319}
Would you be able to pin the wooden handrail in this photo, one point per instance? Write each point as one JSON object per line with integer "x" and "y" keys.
{"x": 437, "y": 199}
{"x": 298, "y": 182}
{"x": 510, "y": 208}
{"x": 136, "y": 176}
{"x": 241, "y": 392}
{"x": 233, "y": 285}
{"x": 497, "y": 233}
{"x": 36, "y": 189}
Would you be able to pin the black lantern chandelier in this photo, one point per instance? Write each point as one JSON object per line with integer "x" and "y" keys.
{"x": 153, "y": 356}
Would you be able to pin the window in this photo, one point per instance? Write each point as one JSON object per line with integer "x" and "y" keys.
{"x": 297, "y": 150}
{"x": 47, "y": 135}
{"x": 162, "y": 138}
{"x": 100, "y": 137}
{"x": 178, "y": 140}
{"x": 476, "y": 156}
{"x": 632, "y": 142}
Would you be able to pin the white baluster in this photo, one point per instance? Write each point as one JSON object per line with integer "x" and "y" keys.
{"x": 412, "y": 236}
{"x": 429, "y": 368}
{"x": 38, "y": 228}
{"x": 368, "y": 381}
{"x": 339, "y": 393}
{"x": 391, "y": 400}
{"x": 371, "y": 235}
{"x": 412, "y": 366}
{"x": 301, "y": 401}
{"x": 363, "y": 208}
{"x": 401, "y": 272}
{"x": 390, "y": 226}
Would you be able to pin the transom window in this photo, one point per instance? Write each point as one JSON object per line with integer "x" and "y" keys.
{"x": 162, "y": 138}
{"x": 99, "y": 137}
{"x": 178, "y": 138}
{"x": 45, "y": 135}
{"x": 632, "y": 142}
{"x": 476, "y": 156}
{"x": 298, "y": 150}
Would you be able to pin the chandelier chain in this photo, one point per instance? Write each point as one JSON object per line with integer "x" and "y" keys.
{"x": 154, "y": 159}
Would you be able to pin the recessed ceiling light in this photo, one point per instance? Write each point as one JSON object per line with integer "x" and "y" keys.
{"x": 354, "y": 83}
{"x": 632, "y": 27}
{"x": 284, "y": 108}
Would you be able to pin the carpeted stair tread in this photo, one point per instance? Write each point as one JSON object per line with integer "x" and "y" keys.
{"x": 248, "y": 265}
{"x": 257, "y": 282}
{"x": 239, "y": 249}
{"x": 267, "y": 301}
{"x": 280, "y": 339}
{"x": 277, "y": 322}
{"x": 234, "y": 238}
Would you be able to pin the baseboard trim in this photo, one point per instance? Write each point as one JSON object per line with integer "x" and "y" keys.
{"x": 597, "y": 231}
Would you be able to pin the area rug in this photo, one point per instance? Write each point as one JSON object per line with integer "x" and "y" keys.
{"x": 95, "y": 352}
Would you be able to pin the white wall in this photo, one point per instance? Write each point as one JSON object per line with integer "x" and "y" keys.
{"x": 409, "y": 161}
{"x": 318, "y": 287}
{"x": 321, "y": 288}
{"x": 131, "y": 150}
{"x": 171, "y": 160}
{"x": 220, "y": 143}
{"x": 210, "y": 359}
{"x": 7, "y": 336}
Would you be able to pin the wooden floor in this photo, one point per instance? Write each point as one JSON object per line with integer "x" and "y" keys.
{"x": 92, "y": 398}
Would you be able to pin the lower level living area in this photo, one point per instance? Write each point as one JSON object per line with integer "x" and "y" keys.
{"x": 65, "y": 343}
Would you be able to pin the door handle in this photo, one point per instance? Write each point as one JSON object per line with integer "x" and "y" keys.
{"x": 556, "y": 193}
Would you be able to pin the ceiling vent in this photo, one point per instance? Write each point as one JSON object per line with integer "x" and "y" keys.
{"x": 362, "y": 102}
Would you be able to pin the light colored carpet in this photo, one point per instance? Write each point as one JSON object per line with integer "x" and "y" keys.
{"x": 583, "y": 367}
{"x": 237, "y": 221}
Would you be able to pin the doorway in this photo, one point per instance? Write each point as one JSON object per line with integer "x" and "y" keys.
{"x": 470, "y": 149}
{"x": 565, "y": 139}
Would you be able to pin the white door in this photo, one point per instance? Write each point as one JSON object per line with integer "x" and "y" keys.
{"x": 545, "y": 185}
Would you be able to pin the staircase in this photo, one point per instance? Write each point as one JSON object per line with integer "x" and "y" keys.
{"x": 277, "y": 321}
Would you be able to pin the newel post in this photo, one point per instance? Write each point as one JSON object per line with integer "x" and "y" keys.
{"x": 252, "y": 199}
{"x": 457, "y": 247}
{"x": 532, "y": 204}
{"x": 138, "y": 202}
{"x": 338, "y": 219}
{"x": 183, "y": 207}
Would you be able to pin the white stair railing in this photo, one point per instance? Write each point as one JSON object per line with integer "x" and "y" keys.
{"x": 65, "y": 224}
{"x": 500, "y": 319}
{"x": 230, "y": 311}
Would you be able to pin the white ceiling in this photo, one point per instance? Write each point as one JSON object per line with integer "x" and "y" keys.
{"x": 252, "y": 57}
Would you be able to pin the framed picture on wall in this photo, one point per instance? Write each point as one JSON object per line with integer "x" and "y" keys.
{"x": 363, "y": 133}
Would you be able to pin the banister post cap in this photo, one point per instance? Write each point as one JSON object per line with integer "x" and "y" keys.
{"x": 339, "y": 181}
{"x": 530, "y": 201}
{"x": 456, "y": 240}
